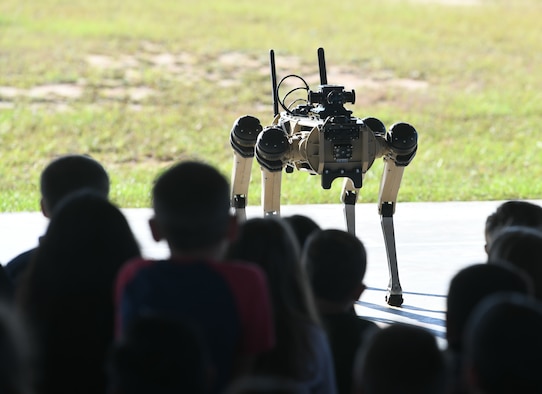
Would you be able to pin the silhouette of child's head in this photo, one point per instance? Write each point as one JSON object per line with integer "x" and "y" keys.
{"x": 336, "y": 262}
{"x": 303, "y": 226}
{"x": 470, "y": 286}
{"x": 191, "y": 203}
{"x": 512, "y": 213}
{"x": 522, "y": 247}
{"x": 422, "y": 367}
{"x": 159, "y": 354}
{"x": 70, "y": 173}
{"x": 503, "y": 346}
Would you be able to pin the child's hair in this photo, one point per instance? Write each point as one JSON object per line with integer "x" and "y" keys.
{"x": 512, "y": 213}
{"x": 70, "y": 173}
{"x": 192, "y": 205}
{"x": 336, "y": 262}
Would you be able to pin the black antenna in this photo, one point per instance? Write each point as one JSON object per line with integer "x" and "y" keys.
{"x": 322, "y": 66}
{"x": 274, "y": 82}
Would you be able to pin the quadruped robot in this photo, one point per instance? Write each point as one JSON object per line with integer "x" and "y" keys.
{"x": 320, "y": 136}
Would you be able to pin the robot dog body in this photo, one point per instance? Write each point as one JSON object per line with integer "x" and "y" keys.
{"x": 322, "y": 137}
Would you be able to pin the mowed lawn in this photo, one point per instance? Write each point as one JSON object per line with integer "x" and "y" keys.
{"x": 140, "y": 85}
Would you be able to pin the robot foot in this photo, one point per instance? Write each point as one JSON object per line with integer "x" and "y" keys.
{"x": 394, "y": 299}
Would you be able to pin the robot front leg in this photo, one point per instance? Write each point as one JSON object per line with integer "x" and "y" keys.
{"x": 243, "y": 137}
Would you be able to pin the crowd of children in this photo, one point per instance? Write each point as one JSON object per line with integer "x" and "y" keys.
{"x": 263, "y": 306}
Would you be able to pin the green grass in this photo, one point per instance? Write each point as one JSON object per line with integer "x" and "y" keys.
{"x": 478, "y": 118}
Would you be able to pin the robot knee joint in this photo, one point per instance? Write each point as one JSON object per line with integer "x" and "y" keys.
{"x": 244, "y": 134}
{"x": 271, "y": 148}
{"x": 403, "y": 141}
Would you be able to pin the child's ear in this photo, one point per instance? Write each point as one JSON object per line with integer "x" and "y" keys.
{"x": 156, "y": 232}
{"x": 43, "y": 206}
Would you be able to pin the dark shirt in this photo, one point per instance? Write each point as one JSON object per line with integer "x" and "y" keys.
{"x": 17, "y": 266}
{"x": 345, "y": 333}
{"x": 227, "y": 301}
{"x": 6, "y": 285}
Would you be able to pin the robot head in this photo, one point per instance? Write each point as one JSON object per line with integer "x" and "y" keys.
{"x": 331, "y": 100}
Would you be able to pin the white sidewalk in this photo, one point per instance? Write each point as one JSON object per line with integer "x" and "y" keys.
{"x": 434, "y": 241}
